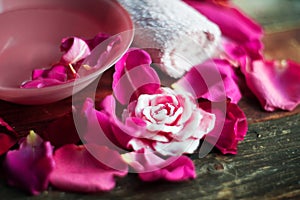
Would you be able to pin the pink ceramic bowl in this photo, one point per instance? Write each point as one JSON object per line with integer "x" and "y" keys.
{"x": 31, "y": 32}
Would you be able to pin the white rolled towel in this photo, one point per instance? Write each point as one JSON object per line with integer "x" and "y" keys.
{"x": 177, "y": 36}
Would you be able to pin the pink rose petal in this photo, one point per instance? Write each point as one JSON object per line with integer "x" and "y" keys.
{"x": 56, "y": 75}
{"x": 100, "y": 37}
{"x": 214, "y": 80}
{"x": 40, "y": 83}
{"x": 103, "y": 127}
{"x": 79, "y": 171}
{"x": 275, "y": 84}
{"x": 29, "y": 167}
{"x": 75, "y": 50}
{"x": 152, "y": 168}
{"x": 8, "y": 137}
{"x": 57, "y": 72}
{"x": 134, "y": 76}
{"x": 231, "y": 127}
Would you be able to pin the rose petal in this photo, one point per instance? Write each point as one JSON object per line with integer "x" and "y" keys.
{"x": 29, "y": 167}
{"x": 152, "y": 168}
{"x": 56, "y": 75}
{"x": 232, "y": 22}
{"x": 231, "y": 127}
{"x": 101, "y": 56}
{"x": 79, "y": 171}
{"x": 213, "y": 80}
{"x": 104, "y": 128}
{"x": 57, "y": 72}
{"x": 100, "y": 37}
{"x": 275, "y": 84}
{"x": 134, "y": 76}
{"x": 40, "y": 83}
{"x": 75, "y": 50}
{"x": 176, "y": 148}
{"x": 8, "y": 137}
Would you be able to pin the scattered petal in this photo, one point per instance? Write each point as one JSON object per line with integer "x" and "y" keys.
{"x": 231, "y": 127}
{"x": 8, "y": 137}
{"x": 276, "y": 84}
{"x": 30, "y": 166}
{"x": 213, "y": 80}
{"x": 79, "y": 171}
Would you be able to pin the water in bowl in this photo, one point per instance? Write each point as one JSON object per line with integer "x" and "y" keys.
{"x": 30, "y": 38}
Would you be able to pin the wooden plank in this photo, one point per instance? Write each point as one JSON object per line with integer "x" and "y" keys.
{"x": 267, "y": 167}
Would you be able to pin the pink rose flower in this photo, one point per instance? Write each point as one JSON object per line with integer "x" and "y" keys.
{"x": 161, "y": 119}
{"x": 169, "y": 122}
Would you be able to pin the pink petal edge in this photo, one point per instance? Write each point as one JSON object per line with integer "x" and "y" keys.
{"x": 78, "y": 170}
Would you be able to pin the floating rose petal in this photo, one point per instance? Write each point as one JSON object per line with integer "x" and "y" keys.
{"x": 150, "y": 167}
{"x": 75, "y": 50}
{"x": 134, "y": 76}
{"x": 231, "y": 127}
{"x": 214, "y": 80}
{"x": 40, "y": 83}
{"x": 8, "y": 137}
{"x": 100, "y": 37}
{"x": 29, "y": 167}
{"x": 57, "y": 72}
{"x": 276, "y": 84}
{"x": 79, "y": 171}
{"x": 56, "y": 75}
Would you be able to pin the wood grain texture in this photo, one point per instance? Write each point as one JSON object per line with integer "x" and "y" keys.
{"x": 267, "y": 167}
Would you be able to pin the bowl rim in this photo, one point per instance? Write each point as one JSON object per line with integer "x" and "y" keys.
{"x": 89, "y": 77}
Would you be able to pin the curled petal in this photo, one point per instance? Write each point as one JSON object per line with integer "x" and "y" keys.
{"x": 213, "y": 80}
{"x": 134, "y": 76}
{"x": 8, "y": 137}
{"x": 231, "y": 127}
{"x": 79, "y": 171}
{"x": 75, "y": 50}
{"x": 30, "y": 166}
{"x": 152, "y": 168}
{"x": 275, "y": 84}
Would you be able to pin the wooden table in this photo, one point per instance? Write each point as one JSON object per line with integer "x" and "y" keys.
{"x": 266, "y": 167}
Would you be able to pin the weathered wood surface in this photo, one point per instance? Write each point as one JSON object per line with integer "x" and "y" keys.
{"x": 266, "y": 167}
